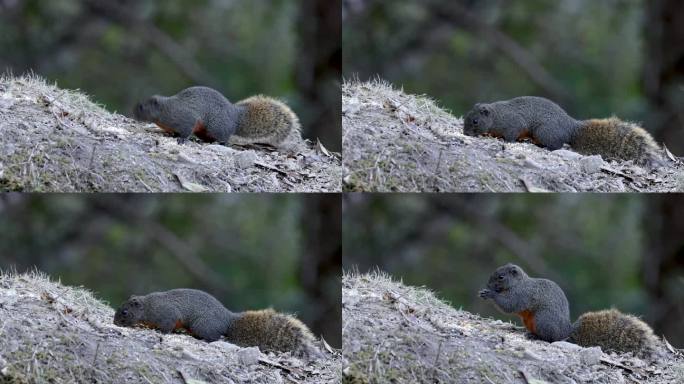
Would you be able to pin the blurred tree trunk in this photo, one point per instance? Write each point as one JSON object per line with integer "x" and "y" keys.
{"x": 664, "y": 71}
{"x": 319, "y": 70}
{"x": 320, "y": 270}
{"x": 664, "y": 87}
{"x": 663, "y": 264}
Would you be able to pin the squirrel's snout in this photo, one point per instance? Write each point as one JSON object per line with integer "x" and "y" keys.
{"x": 469, "y": 128}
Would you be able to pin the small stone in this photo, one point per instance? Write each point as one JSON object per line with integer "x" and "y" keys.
{"x": 566, "y": 154}
{"x": 532, "y": 164}
{"x": 638, "y": 363}
{"x": 245, "y": 159}
{"x": 183, "y": 158}
{"x": 350, "y": 301}
{"x": 118, "y": 132}
{"x": 223, "y": 149}
{"x": 591, "y": 356}
{"x": 187, "y": 355}
{"x": 351, "y": 106}
{"x": 639, "y": 171}
{"x": 531, "y": 355}
{"x": 566, "y": 346}
{"x": 226, "y": 346}
{"x": 249, "y": 356}
{"x": 591, "y": 164}
{"x": 6, "y": 103}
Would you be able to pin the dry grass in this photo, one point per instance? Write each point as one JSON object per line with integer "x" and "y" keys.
{"x": 405, "y": 143}
{"x": 56, "y": 140}
{"x": 394, "y": 333}
{"x": 51, "y": 333}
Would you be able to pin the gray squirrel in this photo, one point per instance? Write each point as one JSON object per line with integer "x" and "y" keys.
{"x": 207, "y": 114}
{"x": 204, "y": 317}
{"x": 544, "y": 310}
{"x": 546, "y": 124}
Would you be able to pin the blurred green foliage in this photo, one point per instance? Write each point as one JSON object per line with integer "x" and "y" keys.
{"x": 244, "y": 46}
{"x": 593, "y": 49}
{"x": 126, "y": 50}
{"x": 592, "y": 246}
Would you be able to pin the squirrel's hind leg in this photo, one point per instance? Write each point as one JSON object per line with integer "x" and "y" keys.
{"x": 208, "y": 328}
{"x": 552, "y": 137}
{"x": 552, "y": 329}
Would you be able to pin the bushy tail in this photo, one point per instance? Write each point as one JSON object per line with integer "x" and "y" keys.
{"x": 613, "y": 330}
{"x": 266, "y": 121}
{"x": 272, "y": 331}
{"x": 616, "y": 139}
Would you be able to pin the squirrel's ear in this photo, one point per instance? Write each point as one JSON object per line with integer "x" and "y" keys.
{"x": 484, "y": 111}
{"x": 514, "y": 271}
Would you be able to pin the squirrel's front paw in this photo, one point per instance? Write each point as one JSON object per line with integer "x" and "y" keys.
{"x": 486, "y": 294}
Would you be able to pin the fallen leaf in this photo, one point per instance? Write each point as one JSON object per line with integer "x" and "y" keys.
{"x": 327, "y": 346}
{"x": 669, "y": 154}
{"x": 190, "y": 186}
{"x": 531, "y": 188}
{"x": 322, "y": 149}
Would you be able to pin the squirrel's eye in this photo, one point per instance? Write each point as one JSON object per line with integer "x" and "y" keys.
{"x": 501, "y": 277}
{"x": 124, "y": 312}
{"x": 475, "y": 121}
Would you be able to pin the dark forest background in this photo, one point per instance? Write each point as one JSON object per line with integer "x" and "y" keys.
{"x": 122, "y": 51}
{"x": 625, "y": 251}
{"x": 250, "y": 251}
{"x": 595, "y": 58}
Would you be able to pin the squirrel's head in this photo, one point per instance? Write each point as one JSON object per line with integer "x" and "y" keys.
{"x": 505, "y": 277}
{"x": 147, "y": 110}
{"x": 129, "y": 313}
{"x": 478, "y": 120}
